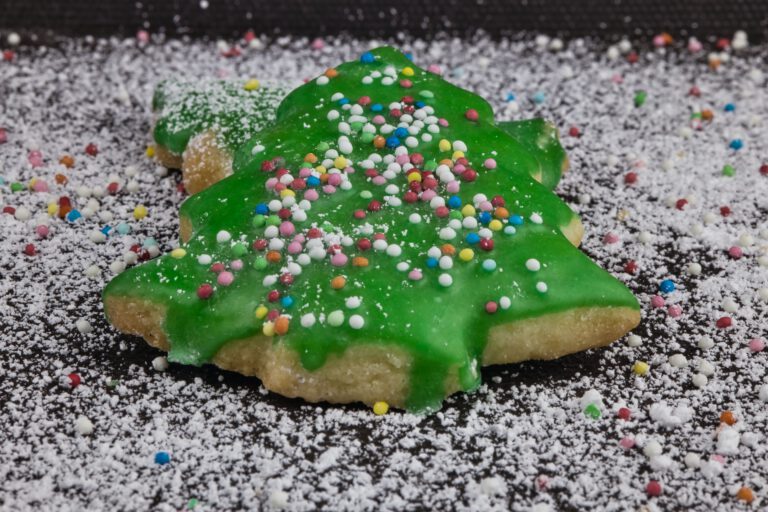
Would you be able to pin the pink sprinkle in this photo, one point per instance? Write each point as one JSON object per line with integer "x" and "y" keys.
{"x": 294, "y": 248}
{"x": 428, "y": 195}
{"x": 287, "y": 228}
{"x": 311, "y": 195}
{"x": 442, "y": 121}
{"x": 675, "y": 311}
{"x": 472, "y": 114}
{"x": 329, "y": 189}
{"x": 339, "y": 259}
{"x": 627, "y": 443}
{"x": 402, "y": 159}
{"x": 486, "y": 206}
{"x": 491, "y": 307}
{"x": 658, "y": 41}
{"x": 271, "y": 182}
{"x": 735, "y": 252}
{"x": 379, "y": 180}
{"x": 334, "y": 179}
{"x": 236, "y": 264}
{"x": 415, "y": 275}
{"x": 542, "y": 481}
{"x": 617, "y": 79}
{"x": 279, "y": 187}
{"x": 610, "y": 238}
{"x": 718, "y": 458}
{"x": 405, "y": 83}
{"x": 317, "y": 44}
{"x": 3, "y": 136}
{"x": 378, "y": 119}
{"x": 453, "y": 187}
{"x": 42, "y": 231}
{"x": 142, "y": 36}
{"x": 657, "y": 301}
{"x": 459, "y": 168}
{"x": 756, "y": 345}
{"x": 434, "y": 68}
{"x": 40, "y": 186}
{"x": 489, "y": 163}
{"x": 225, "y": 278}
{"x": 305, "y": 172}
{"x": 694, "y": 45}
{"x": 35, "y": 158}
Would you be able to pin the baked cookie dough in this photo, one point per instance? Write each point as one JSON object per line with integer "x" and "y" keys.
{"x": 381, "y": 240}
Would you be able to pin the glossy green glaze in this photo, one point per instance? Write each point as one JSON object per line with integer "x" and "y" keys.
{"x": 443, "y": 328}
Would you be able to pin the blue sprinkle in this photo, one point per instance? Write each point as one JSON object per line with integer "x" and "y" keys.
{"x": 432, "y": 262}
{"x": 473, "y": 238}
{"x": 2, "y": 180}
{"x": 454, "y": 202}
{"x": 409, "y": 56}
{"x": 377, "y": 107}
{"x": 287, "y": 301}
{"x": 393, "y": 142}
{"x": 73, "y": 215}
{"x": 484, "y": 217}
{"x": 489, "y": 265}
{"x": 262, "y": 208}
{"x": 401, "y": 132}
{"x": 736, "y": 144}
{"x": 313, "y": 181}
{"x": 516, "y": 220}
{"x": 509, "y": 230}
{"x": 667, "y": 286}
{"x": 162, "y": 458}
{"x": 106, "y": 230}
{"x": 420, "y": 104}
{"x": 149, "y": 242}
{"x": 510, "y": 96}
{"x": 123, "y": 228}
{"x": 343, "y": 101}
{"x": 730, "y": 107}
{"x": 367, "y": 58}
{"x": 538, "y": 98}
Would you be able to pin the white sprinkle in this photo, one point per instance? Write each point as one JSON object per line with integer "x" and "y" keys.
{"x": 224, "y": 236}
{"x": 533, "y": 265}
{"x": 652, "y": 449}
{"x": 706, "y": 343}
{"x": 678, "y": 361}
{"x": 160, "y": 363}
{"x": 83, "y": 326}
{"x": 353, "y": 302}
{"x": 633, "y": 340}
{"x": 505, "y": 302}
{"x": 307, "y": 320}
{"x": 706, "y": 368}
{"x": 541, "y": 286}
{"x": 414, "y": 218}
{"x": 394, "y": 250}
{"x": 447, "y": 234}
{"x": 83, "y": 426}
{"x": 699, "y": 380}
{"x": 694, "y": 269}
{"x": 322, "y": 80}
{"x": 204, "y": 259}
{"x": 336, "y": 318}
{"x": 356, "y": 322}
{"x": 692, "y": 460}
{"x": 445, "y": 280}
{"x": 445, "y": 262}
{"x": 536, "y": 218}
{"x": 258, "y": 148}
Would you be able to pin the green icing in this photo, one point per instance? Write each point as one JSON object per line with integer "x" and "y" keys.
{"x": 185, "y": 109}
{"x": 540, "y": 138}
{"x": 444, "y": 329}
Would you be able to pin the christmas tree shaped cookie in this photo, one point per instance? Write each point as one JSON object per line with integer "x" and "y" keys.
{"x": 381, "y": 240}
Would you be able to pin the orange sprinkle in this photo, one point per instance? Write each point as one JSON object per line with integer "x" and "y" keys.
{"x": 324, "y": 177}
{"x": 379, "y": 142}
{"x": 448, "y": 249}
{"x": 331, "y": 73}
{"x": 338, "y": 282}
{"x": 728, "y": 418}
{"x": 311, "y": 158}
{"x": 447, "y": 161}
{"x": 359, "y": 261}
{"x": 281, "y": 325}
{"x": 67, "y": 161}
{"x": 667, "y": 38}
{"x": 501, "y": 213}
{"x": 745, "y": 494}
{"x": 61, "y": 179}
{"x": 273, "y": 256}
{"x": 707, "y": 114}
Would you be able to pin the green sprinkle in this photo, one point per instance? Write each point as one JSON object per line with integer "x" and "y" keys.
{"x": 322, "y": 147}
{"x": 367, "y": 137}
{"x": 259, "y": 220}
{"x": 430, "y": 166}
{"x": 366, "y": 194}
{"x": 640, "y": 97}
{"x": 239, "y": 249}
{"x": 592, "y": 411}
{"x": 260, "y": 263}
{"x": 273, "y": 220}
{"x": 728, "y": 170}
{"x": 427, "y": 94}
{"x": 17, "y": 187}
{"x": 192, "y": 503}
{"x": 112, "y": 383}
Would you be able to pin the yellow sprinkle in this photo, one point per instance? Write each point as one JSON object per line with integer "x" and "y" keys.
{"x": 468, "y": 210}
{"x": 321, "y": 169}
{"x": 140, "y": 212}
{"x": 340, "y": 162}
{"x": 640, "y": 367}
{"x": 251, "y": 85}
{"x": 269, "y": 328}
{"x": 457, "y": 154}
{"x": 408, "y": 71}
{"x": 495, "y": 225}
{"x": 380, "y": 408}
{"x": 466, "y": 254}
{"x": 32, "y": 183}
{"x": 178, "y": 253}
{"x": 414, "y": 176}
{"x": 261, "y": 312}
{"x": 53, "y": 208}
{"x": 150, "y": 151}
{"x": 444, "y": 145}
{"x": 286, "y": 192}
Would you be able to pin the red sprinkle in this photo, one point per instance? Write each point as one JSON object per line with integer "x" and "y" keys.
{"x": 725, "y": 211}
{"x": 273, "y": 296}
{"x": 364, "y": 244}
{"x": 681, "y": 204}
{"x": 91, "y": 149}
{"x": 374, "y": 206}
{"x": 112, "y": 188}
{"x": 631, "y": 267}
{"x": 653, "y": 488}
{"x": 30, "y": 250}
{"x": 695, "y": 91}
{"x": 8, "y": 55}
{"x": 574, "y": 131}
{"x": 610, "y": 238}
{"x": 491, "y": 307}
{"x": 764, "y": 169}
{"x": 10, "y": 210}
{"x": 3, "y": 136}
{"x": 724, "y": 322}
{"x": 486, "y": 244}
{"x": 204, "y": 291}
{"x": 630, "y": 178}
{"x": 74, "y": 380}
{"x": 735, "y": 252}
{"x": 472, "y": 114}
{"x": 624, "y": 414}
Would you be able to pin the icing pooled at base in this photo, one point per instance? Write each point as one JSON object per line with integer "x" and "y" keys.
{"x": 388, "y": 179}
